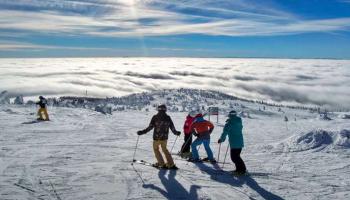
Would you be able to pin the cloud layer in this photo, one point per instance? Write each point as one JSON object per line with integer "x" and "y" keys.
{"x": 136, "y": 18}
{"x": 311, "y": 82}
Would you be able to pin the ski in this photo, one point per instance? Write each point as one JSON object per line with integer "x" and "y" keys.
{"x": 142, "y": 162}
{"x": 247, "y": 174}
{"x": 35, "y": 121}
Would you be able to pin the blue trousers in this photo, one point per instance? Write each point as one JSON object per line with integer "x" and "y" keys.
{"x": 198, "y": 142}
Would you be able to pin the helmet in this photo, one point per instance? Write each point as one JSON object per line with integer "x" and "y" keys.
{"x": 161, "y": 107}
{"x": 41, "y": 97}
{"x": 232, "y": 113}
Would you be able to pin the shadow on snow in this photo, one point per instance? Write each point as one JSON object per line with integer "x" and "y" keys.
{"x": 237, "y": 181}
{"x": 172, "y": 188}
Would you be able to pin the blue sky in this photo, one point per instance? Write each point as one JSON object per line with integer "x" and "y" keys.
{"x": 198, "y": 28}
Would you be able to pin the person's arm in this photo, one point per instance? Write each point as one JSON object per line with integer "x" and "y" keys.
{"x": 225, "y": 132}
{"x": 240, "y": 124}
{"x": 150, "y": 127}
{"x": 193, "y": 129}
{"x": 185, "y": 125}
{"x": 172, "y": 127}
{"x": 210, "y": 127}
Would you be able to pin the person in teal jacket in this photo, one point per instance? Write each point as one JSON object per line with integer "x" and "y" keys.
{"x": 233, "y": 129}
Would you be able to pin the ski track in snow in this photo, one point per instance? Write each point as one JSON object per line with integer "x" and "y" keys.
{"x": 82, "y": 154}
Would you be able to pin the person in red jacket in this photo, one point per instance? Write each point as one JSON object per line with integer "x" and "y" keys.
{"x": 202, "y": 129}
{"x": 186, "y": 146}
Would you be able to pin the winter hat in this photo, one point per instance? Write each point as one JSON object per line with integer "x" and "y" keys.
{"x": 192, "y": 113}
{"x": 161, "y": 107}
{"x": 232, "y": 113}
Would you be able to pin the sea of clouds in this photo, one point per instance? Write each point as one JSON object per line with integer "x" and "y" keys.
{"x": 296, "y": 81}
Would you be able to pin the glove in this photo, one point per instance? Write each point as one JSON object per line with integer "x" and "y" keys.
{"x": 177, "y": 133}
{"x": 219, "y": 141}
{"x": 195, "y": 134}
{"x": 139, "y": 132}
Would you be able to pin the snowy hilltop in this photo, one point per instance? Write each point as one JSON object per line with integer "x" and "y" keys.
{"x": 291, "y": 152}
{"x": 177, "y": 100}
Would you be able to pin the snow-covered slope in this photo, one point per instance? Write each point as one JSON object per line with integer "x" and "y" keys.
{"x": 83, "y": 154}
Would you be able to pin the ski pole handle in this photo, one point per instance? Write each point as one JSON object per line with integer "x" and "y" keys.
{"x": 223, "y": 164}
{"x": 137, "y": 142}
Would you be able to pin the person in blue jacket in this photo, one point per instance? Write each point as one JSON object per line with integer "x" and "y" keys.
{"x": 233, "y": 129}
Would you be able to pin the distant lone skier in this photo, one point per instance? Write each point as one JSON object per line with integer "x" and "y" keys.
{"x": 42, "y": 110}
{"x": 186, "y": 146}
{"x": 202, "y": 129}
{"x": 161, "y": 123}
{"x": 233, "y": 129}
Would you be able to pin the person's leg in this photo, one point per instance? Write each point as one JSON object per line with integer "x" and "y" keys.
{"x": 157, "y": 153}
{"x": 194, "y": 145}
{"x": 236, "y": 158}
{"x": 40, "y": 113}
{"x": 187, "y": 144}
{"x": 207, "y": 148}
{"x": 183, "y": 145}
{"x": 46, "y": 114}
{"x": 169, "y": 158}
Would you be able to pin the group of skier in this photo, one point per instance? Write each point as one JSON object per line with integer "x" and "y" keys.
{"x": 196, "y": 125}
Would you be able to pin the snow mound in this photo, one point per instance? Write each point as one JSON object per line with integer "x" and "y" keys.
{"x": 345, "y": 116}
{"x": 343, "y": 139}
{"x": 316, "y": 140}
{"x": 324, "y": 116}
{"x": 312, "y": 140}
{"x": 4, "y": 97}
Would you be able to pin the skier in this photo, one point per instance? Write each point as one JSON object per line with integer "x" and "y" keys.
{"x": 186, "y": 146}
{"x": 202, "y": 129}
{"x": 233, "y": 128}
{"x": 42, "y": 103}
{"x": 161, "y": 123}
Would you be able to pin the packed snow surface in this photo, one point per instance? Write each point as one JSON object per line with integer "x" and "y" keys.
{"x": 84, "y": 154}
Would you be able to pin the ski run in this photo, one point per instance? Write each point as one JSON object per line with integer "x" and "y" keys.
{"x": 82, "y": 154}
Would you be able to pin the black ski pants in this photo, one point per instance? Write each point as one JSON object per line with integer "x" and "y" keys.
{"x": 186, "y": 147}
{"x": 236, "y": 158}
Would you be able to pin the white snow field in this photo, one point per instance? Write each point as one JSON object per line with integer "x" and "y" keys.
{"x": 83, "y": 154}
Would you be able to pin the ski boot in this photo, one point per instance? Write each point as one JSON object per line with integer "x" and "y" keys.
{"x": 172, "y": 167}
{"x": 157, "y": 165}
{"x": 194, "y": 160}
{"x": 209, "y": 160}
{"x": 186, "y": 155}
{"x": 239, "y": 173}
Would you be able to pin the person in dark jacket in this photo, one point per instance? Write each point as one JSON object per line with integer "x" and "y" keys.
{"x": 233, "y": 129}
{"x": 186, "y": 146}
{"x": 202, "y": 129}
{"x": 43, "y": 109}
{"x": 161, "y": 122}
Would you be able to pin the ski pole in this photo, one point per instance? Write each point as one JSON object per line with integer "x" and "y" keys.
{"x": 219, "y": 152}
{"x": 137, "y": 142}
{"x": 223, "y": 164}
{"x": 171, "y": 151}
